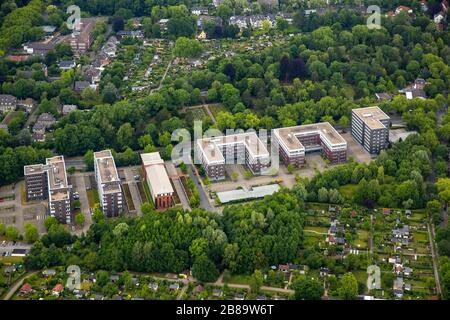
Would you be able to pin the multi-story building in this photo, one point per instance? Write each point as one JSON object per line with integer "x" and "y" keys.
{"x": 35, "y": 182}
{"x": 295, "y": 142}
{"x": 108, "y": 183}
{"x": 80, "y": 40}
{"x": 157, "y": 179}
{"x": 60, "y": 194}
{"x": 370, "y": 127}
{"x": 49, "y": 181}
{"x": 241, "y": 148}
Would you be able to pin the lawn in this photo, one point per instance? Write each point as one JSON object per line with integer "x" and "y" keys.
{"x": 93, "y": 197}
{"x": 129, "y": 199}
{"x": 315, "y": 230}
{"x": 239, "y": 279}
{"x": 10, "y": 260}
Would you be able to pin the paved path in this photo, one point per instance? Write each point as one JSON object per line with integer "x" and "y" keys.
{"x": 204, "y": 199}
{"x": 316, "y": 232}
{"x": 17, "y": 285}
{"x": 435, "y": 260}
{"x": 85, "y": 210}
{"x": 163, "y": 78}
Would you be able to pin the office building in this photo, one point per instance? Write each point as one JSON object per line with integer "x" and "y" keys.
{"x": 370, "y": 127}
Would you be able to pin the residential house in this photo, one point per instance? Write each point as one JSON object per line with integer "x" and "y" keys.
{"x": 49, "y": 30}
{"x": 202, "y": 20}
{"x": 174, "y": 286}
{"x": 238, "y": 296}
{"x": 47, "y": 119}
{"x": 405, "y": 9}
{"x": 415, "y": 90}
{"x": 67, "y": 64}
{"x": 68, "y": 108}
{"x": 217, "y": 3}
{"x": 240, "y": 21}
{"x": 407, "y": 272}
{"x": 198, "y": 289}
{"x": 154, "y": 286}
{"x": 79, "y": 86}
{"x": 26, "y": 289}
{"x": 217, "y": 292}
{"x": 199, "y": 10}
{"x": 58, "y": 289}
{"x": 49, "y": 272}
{"x": 398, "y": 287}
{"x": 386, "y": 211}
{"x": 398, "y": 269}
{"x": 38, "y": 132}
{"x": 383, "y": 96}
{"x": 201, "y": 35}
{"x": 135, "y": 34}
{"x": 28, "y": 104}
{"x": 7, "y": 103}
{"x": 163, "y": 24}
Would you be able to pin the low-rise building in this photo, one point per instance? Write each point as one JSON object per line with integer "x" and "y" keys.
{"x": 68, "y": 108}
{"x": 158, "y": 181}
{"x": 7, "y": 103}
{"x": 67, "y": 64}
{"x": 28, "y": 104}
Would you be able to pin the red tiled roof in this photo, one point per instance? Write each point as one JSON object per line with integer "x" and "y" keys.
{"x": 58, "y": 288}
{"x": 26, "y": 288}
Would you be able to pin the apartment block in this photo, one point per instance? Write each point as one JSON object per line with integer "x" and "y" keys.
{"x": 295, "y": 142}
{"x": 108, "y": 183}
{"x": 59, "y": 191}
{"x": 370, "y": 127}
{"x": 81, "y": 40}
{"x": 36, "y": 182}
{"x": 49, "y": 181}
{"x": 157, "y": 179}
{"x": 241, "y": 148}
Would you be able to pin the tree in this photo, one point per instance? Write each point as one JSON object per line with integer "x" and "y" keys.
{"x": 307, "y": 289}
{"x": 118, "y": 24}
{"x": 79, "y": 219}
{"x": 256, "y": 281}
{"x": 348, "y": 287}
{"x": 49, "y": 222}
{"x": 187, "y": 48}
{"x": 2, "y": 229}
{"x": 31, "y": 233}
{"x": 11, "y": 233}
{"x": 204, "y": 269}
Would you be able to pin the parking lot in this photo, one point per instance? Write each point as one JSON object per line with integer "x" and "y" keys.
{"x": 13, "y": 248}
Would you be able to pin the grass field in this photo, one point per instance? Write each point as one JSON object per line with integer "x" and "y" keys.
{"x": 93, "y": 197}
{"x": 129, "y": 199}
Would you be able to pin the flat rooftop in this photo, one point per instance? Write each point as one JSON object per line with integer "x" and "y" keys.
{"x": 107, "y": 171}
{"x": 372, "y": 117}
{"x": 156, "y": 174}
{"x": 210, "y": 147}
{"x": 289, "y": 136}
{"x": 57, "y": 178}
{"x": 242, "y": 194}
{"x": 34, "y": 169}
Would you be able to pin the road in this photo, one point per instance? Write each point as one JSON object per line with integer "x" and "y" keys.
{"x": 81, "y": 189}
{"x": 204, "y": 199}
{"x": 76, "y": 162}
